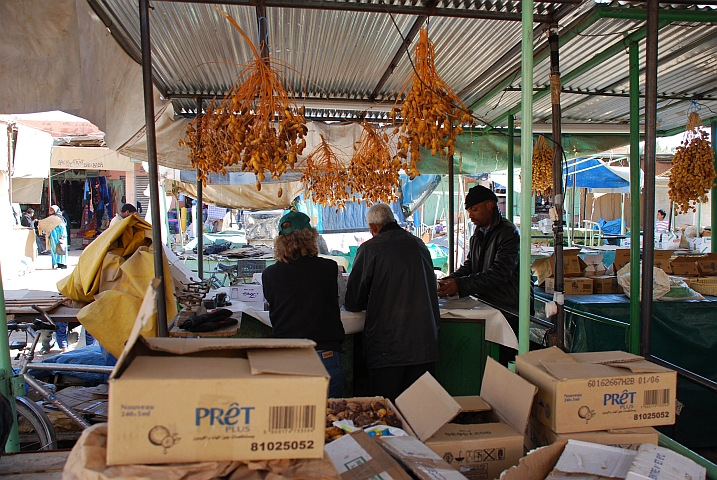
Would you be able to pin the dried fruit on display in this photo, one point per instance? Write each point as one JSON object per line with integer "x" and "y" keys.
{"x": 363, "y": 413}
{"x": 542, "y": 167}
{"x": 325, "y": 177}
{"x": 432, "y": 113}
{"x": 693, "y": 172}
{"x": 374, "y": 170}
{"x": 257, "y": 125}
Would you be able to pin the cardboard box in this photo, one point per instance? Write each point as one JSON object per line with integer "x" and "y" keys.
{"x": 195, "y": 400}
{"x": 662, "y": 260}
{"x": 539, "y": 435}
{"x": 707, "y": 264}
{"x": 622, "y": 258}
{"x": 684, "y": 266}
{"x": 573, "y": 265}
{"x": 573, "y": 285}
{"x": 606, "y": 284}
{"x": 584, "y": 392}
{"x": 357, "y": 457}
{"x": 423, "y": 462}
{"x": 659, "y": 463}
{"x": 594, "y": 265}
{"x": 250, "y": 293}
{"x": 477, "y": 450}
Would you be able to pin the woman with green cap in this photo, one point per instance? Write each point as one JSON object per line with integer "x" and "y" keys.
{"x": 303, "y": 294}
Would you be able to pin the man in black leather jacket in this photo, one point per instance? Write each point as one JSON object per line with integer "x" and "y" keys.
{"x": 393, "y": 280}
{"x": 491, "y": 270}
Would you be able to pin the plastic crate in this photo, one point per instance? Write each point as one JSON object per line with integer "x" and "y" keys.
{"x": 247, "y": 267}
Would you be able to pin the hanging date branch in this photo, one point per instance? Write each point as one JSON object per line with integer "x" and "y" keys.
{"x": 374, "y": 170}
{"x": 325, "y": 177}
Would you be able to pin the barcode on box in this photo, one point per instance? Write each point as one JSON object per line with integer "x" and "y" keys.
{"x": 657, "y": 398}
{"x": 296, "y": 418}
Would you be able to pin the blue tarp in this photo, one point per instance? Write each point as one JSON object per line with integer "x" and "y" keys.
{"x": 592, "y": 173}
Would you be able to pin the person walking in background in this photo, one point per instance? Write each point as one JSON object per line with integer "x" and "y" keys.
{"x": 28, "y": 220}
{"x": 662, "y": 224}
{"x": 56, "y": 238}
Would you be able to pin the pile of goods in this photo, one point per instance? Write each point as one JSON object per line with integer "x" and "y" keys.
{"x": 542, "y": 167}
{"x": 256, "y": 125}
{"x": 693, "y": 172}
{"x": 432, "y": 113}
{"x": 362, "y": 413}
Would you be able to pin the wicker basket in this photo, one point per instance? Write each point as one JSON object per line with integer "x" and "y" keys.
{"x": 705, "y": 286}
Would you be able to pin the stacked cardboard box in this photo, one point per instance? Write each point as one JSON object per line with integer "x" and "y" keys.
{"x": 574, "y": 269}
{"x": 611, "y": 398}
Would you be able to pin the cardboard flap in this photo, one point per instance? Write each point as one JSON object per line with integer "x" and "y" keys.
{"x": 594, "y": 259}
{"x": 472, "y": 403}
{"x": 427, "y": 406}
{"x": 639, "y": 366}
{"x": 569, "y": 371}
{"x": 184, "y": 346}
{"x": 508, "y": 394}
{"x": 615, "y": 356}
{"x": 286, "y": 361}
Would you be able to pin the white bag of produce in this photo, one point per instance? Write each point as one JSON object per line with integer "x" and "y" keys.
{"x": 660, "y": 282}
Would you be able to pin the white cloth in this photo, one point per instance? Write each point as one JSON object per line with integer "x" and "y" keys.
{"x": 497, "y": 329}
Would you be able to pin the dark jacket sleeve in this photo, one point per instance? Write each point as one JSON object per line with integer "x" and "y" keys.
{"x": 358, "y": 285}
{"x": 506, "y": 258}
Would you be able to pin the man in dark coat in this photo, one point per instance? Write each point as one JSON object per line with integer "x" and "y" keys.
{"x": 393, "y": 280}
{"x": 491, "y": 270}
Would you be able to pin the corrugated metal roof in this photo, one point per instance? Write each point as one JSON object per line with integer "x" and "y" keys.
{"x": 334, "y": 54}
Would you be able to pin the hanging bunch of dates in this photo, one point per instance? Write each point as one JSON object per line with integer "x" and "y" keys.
{"x": 432, "y": 114}
{"x": 257, "y": 125}
{"x": 693, "y": 172}
{"x": 374, "y": 170}
{"x": 542, "y": 167}
{"x": 325, "y": 177}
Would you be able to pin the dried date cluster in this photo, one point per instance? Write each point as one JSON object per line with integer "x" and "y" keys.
{"x": 363, "y": 414}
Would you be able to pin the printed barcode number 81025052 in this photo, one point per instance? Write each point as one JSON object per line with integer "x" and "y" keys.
{"x": 292, "y": 419}
{"x": 657, "y": 398}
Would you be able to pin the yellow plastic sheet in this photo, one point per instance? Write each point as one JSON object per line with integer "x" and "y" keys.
{"x": 112, "y": 275}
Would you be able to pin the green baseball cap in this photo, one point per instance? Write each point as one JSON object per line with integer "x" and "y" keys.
{"x": 292, "y": 222}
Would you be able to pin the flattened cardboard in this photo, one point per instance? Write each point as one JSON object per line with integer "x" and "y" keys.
{"x": 539, "y": 435}
{"x": 423, "y": 462}
{"x": 684, "y": 266}
{"x": 585, "y": 458}
{"x": 229, "y": 413}
{"x": 427, "y": 406}
{"x": 357, "y": 457}
{"x": 658, "y": 463}
{"x": 598, "y": 391}
{"x": 707, "y": 265}
{"x": 606, "y": 284}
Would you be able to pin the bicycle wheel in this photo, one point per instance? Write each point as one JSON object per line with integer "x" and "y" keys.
{"x": 35, "y": 428}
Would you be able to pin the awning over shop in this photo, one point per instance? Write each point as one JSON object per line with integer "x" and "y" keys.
{"x": 597, "y": 176}
{"x": 27, "y": 190}
{"x": 89, "y": 158}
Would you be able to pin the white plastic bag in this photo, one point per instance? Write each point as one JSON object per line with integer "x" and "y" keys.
{"x": 660, "y": 281}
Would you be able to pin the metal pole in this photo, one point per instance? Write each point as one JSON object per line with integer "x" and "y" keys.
{"x": 152, "y": 161}
{"x": 648, "y": 245}
{"x": 557, "y": 186}
{"x": 526, "y": 169}
{"x": 199, "y": 215}
{"x": 510, "y": 188}
{"x": 635, "y": 198}
{"x": 713, "y": 195}
{"x": 13, "y": 442}
{"x": 451, "y": 217}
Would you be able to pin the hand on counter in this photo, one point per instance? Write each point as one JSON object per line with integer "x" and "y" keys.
{"x": 447, "y": 287}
